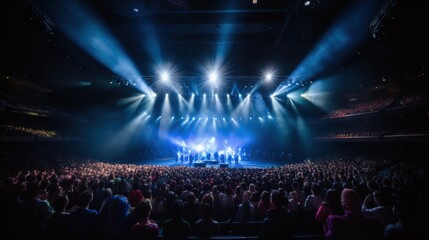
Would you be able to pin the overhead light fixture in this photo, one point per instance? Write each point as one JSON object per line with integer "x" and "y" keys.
{"x": 268, "y": 76}
{"x": 165, "y": 76}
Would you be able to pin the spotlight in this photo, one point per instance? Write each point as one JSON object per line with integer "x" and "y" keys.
{"x": 165, "y": 76}
{"x": 227, "y": 95}
{"x": 166, "y": 95}
{"x": 306, "y": 3}
{"x": 204, "y": 95}
{"x": 154, "y": 95}
{"x": 239, "y": 95}
{"x": 268, "y": 76}
{"x": 272, "y": 95}
{"x": 213, "y": 77}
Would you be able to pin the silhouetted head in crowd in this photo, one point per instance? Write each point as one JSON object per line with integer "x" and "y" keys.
{"x": 206, "y": 211}
{"x": 85, "y": 198}
{"x": 177, "y": 209}
{"x": 143, "y": 209}
{"x": 170, "y": 197}
{"x": 245, "y": 197}
{"x": 382, "y": 197}
{"x": 134, "y": 197}
{"x": 333, "y": 201}
{"x": 315, "y": 189}
{"x": 115, "y": 210}
{"x": 32, "y": 191}
{"x": 208, "y": 199}
{"x": 277, "y": 199}
{"x": 351, "y": 201}
{"x": 295, "y": 186}
{"x": 191, "y": 197}
{"x": 60, "y": 203}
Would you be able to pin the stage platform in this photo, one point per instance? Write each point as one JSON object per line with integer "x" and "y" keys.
{"x": 242, "y": 164}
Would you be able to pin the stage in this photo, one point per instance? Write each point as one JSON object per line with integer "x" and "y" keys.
{"x": 171, "y": 162}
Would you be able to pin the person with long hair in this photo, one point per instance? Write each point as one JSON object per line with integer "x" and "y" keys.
{"x": 331, "y": 205}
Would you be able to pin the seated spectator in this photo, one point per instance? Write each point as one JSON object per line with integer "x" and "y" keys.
{"x": 191, "y": 209}
{"x": 245, "y": 211}
{"x": 206, "y": 226}
{"x": 331, "y": 205}
{"x": 352, "y": 225}
{"x": 312, "y": 202}
{"x": 33, "y": 210}
{"x": 176, "y": 227}
{"x": 84, "y": 222}
{"x": 113, "y": 214}
{"x": 57, "y": 223}
{"x": 296, "y": 197}
{"x": 277, "y": 224}
{"x": 134, "y": 197}
{"x": 383, "y": 209}
{"x": 263, "y": 205}
{"x": 144, "y": 228}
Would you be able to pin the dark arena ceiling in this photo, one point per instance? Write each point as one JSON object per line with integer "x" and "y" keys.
{"x": 99, "y": 44}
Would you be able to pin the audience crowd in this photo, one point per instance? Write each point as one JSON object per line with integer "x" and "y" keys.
{"x": 14, "y": 130}
{"x": 30, "y": 105}
{"x": 342, "y": 198}
{"x": 379, "y": 104}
